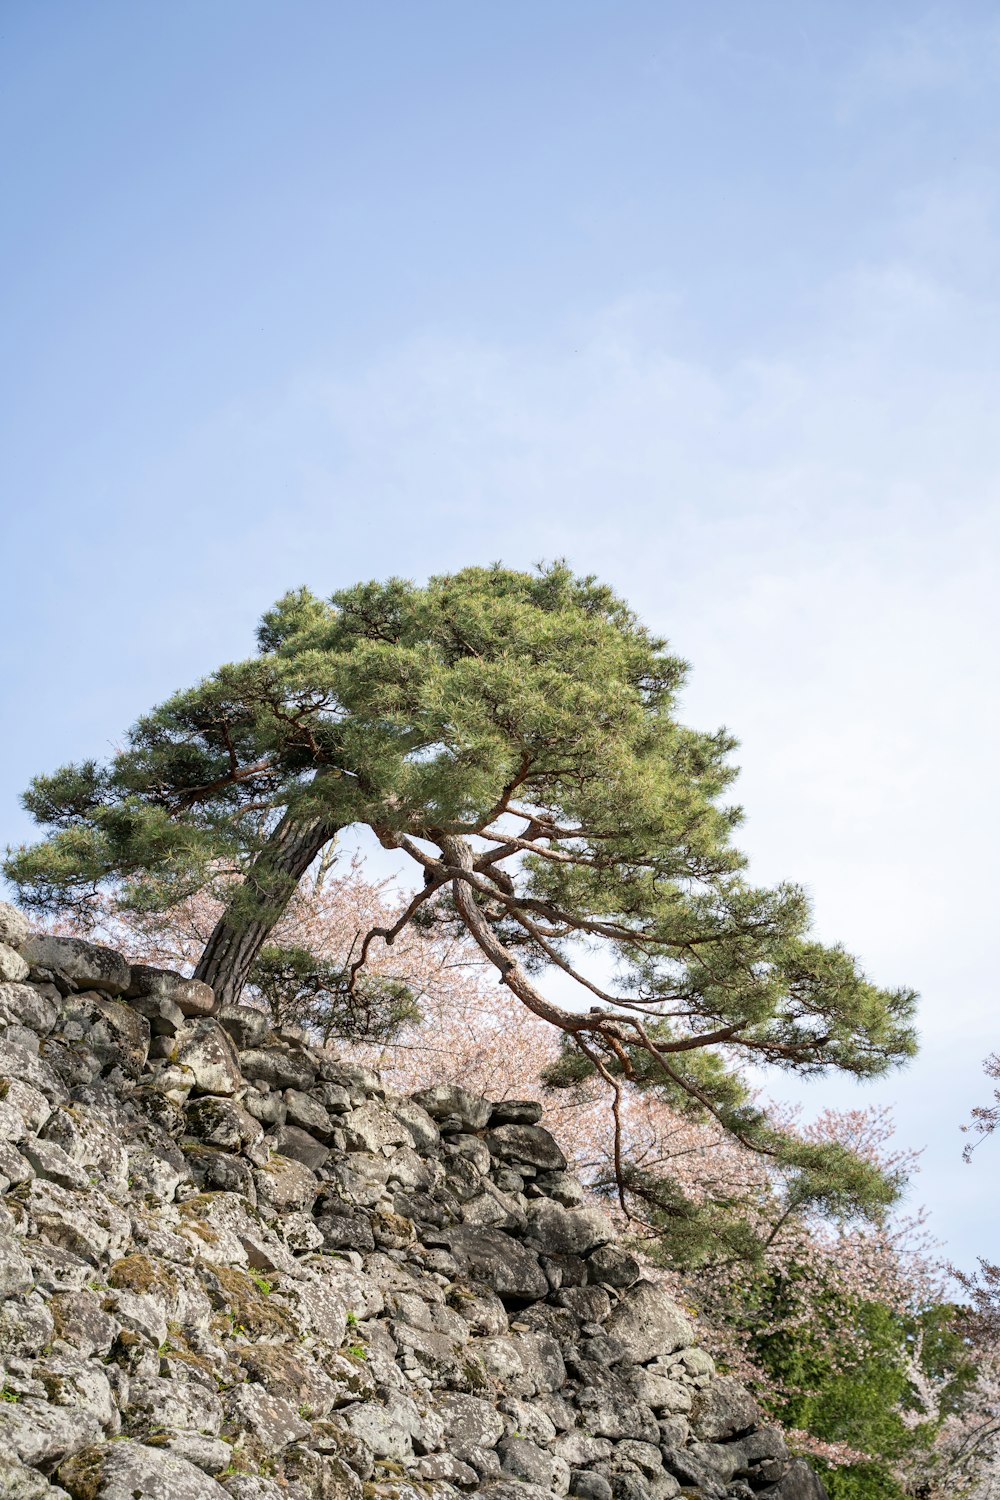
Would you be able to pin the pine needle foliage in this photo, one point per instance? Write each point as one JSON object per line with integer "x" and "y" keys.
{"x": 517, "y": 736}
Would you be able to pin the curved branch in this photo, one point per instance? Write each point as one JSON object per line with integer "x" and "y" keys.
{"x": 389, "y": 934}
{"x": 233, "y": 778}
{"x": 459, "y": 867}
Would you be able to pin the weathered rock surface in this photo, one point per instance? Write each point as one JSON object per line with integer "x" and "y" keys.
{"x": 88, "y": 965}
{"x": 648, "y": 1323}
{"x": 13, "y": 968}
{"x": 15, "y": 928}
{"x": 191, "y": 997}
{"x": 233, "y": 1267}
{"x": 133, "y": 1471}
{"x": 799, "y": 1483}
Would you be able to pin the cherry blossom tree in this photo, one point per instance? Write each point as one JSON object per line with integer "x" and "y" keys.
{"x": 985, "y": 1117}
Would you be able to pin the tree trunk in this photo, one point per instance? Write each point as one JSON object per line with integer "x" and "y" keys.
{"x": 256, "y": 907}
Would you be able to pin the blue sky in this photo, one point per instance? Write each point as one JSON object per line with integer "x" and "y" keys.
{"x": 702, "y": 297}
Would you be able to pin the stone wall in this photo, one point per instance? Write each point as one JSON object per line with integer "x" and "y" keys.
{"x": 232, "y": 1265}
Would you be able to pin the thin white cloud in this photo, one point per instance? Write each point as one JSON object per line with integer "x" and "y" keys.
{"x": 940, "y": 51}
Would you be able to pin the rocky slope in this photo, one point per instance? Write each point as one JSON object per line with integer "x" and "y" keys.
{"x": 232, "y": 1265}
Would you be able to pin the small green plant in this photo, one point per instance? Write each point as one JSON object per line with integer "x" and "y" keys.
{"x": 358, "y": 1351}
{"x": 352, "y": 1320}
{"x": 8, "y": 1395}
{"x": 260, "y": 1282}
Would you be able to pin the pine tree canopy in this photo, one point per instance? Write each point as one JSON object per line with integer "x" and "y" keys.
{"x": 516, "y": 735}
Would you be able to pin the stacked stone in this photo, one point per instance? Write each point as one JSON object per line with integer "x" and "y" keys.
{"x": 234, "y": 1265}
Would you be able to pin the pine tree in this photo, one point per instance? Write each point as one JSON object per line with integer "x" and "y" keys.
{"x": 516, "y": 735}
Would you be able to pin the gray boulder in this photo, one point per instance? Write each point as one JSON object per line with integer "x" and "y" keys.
{"x": 591, "y": 1304}
{"x": 13, "y": 968}
{"x": 692, "y": 1470}
{"x": 24, "y": 1065}
{"x": 266, "y": 1107}
{"x": 50, "y": 1161}
{"x": 95, "y": 1232}
{"x": 490, "y": 1256}
{"x": 131, "y": 1471}
{"x": 445, "y": 1100}
{"x": 469, "y": 1422}
{"x": 25, "y": 1328}
{"x": 612, "y": 1266}
{"x": 319, "y": 1476}
{"x": 514, "y": 1489}
{"x": 184, "y": 1406}
{"x": 16, "y": 1274}
{"x": 308, "y": 1114}
{"x": 760, "y": 1457}
{"x": 82, "y": 1324}
{"x": 286, "y": 1185}
{"x": 20, "y": 1483}
{"x": 165, "y": 1018}
{"x": 658, "y": 1392}
{"x": 799, "y": 1483}
{"x": 372, "y": 1127}
{"x": 213, "y": 1455}
{"x": 589, "y": 1485}
{"x": 298, "y": 1145}
{"x": 14, "y": 929}
{"x": 524, "y": 1460}
{"x": 247, "y": 1026}
{"x": 530, "y": 1144}
{"x": 387, "y": 1429}
{"x": 648, "y": 1323}
{"x": 346, "y": 1231}
{"x": 116, "y": 1034}
{"x": 253, "y": 1487}
{"x": 277, "y": 1068}
{"x": 480, "y": 1308}
{"x": 629, "y": 1485}
{"x": 609, "y": 1407}
{"x": 208, "y": 1051}
{"x": 418, "y": 1121}
{"x": 223, "y": 1123}
{"x": 516, "y": 1112}
{"x": 191, "y": 996}
{"x": 581, "y": 1449}
{"x": 438, "y": 1466}
{"x": 88, "y": 965}
{"x": 271, "y": 1419}
{"x": 494, "y": 1209}
{"x": 28, "y": 1102}
{"x": 724, "y": 1409}
{"x": 12, "y": 1126}
{"x": 562, "y": 1187}
{"x": 30, "y": 1005}
{"x": 40, "y": 1435}
{"x": 567, "y": 1231}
